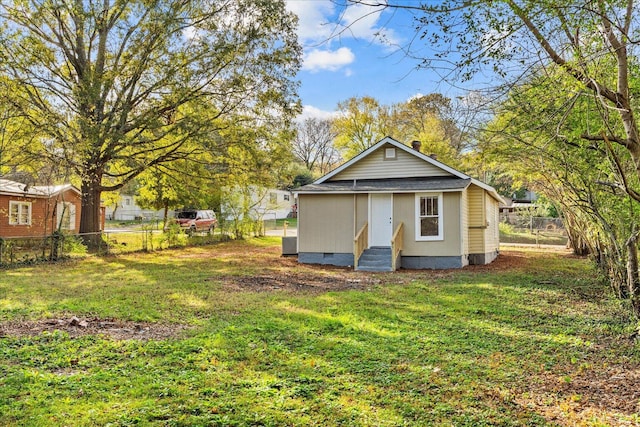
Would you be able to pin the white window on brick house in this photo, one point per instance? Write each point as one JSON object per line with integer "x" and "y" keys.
{"x": 19, "y": 213}
{"x": 66, "y": 216}
{"x": 429, "y": 225}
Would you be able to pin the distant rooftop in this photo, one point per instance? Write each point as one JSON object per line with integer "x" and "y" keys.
{"x": 12, "y": 187}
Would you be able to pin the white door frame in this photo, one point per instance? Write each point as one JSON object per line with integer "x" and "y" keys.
{"x": 379, "y": 230}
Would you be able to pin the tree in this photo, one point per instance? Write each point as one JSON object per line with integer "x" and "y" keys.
{"x": 427, "y": 118}
{"x": 593, "y": 43}
{"x": 527, "y": 143}
{"x": 118, "y": 86}
{"x": 313, "y": 145}
{"x": 253, "y": 163}
{"x": 361, "y": 122}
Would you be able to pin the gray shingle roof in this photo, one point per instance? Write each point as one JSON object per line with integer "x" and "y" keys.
{"x": 388, "y": 185}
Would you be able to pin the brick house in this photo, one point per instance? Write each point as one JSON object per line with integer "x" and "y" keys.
{"x": 27, "y": 211}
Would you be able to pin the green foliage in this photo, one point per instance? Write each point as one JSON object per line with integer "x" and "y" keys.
{"x": 114, "y": 88}
{"x": 506, "y": 228}
{"x": 364, "y": 121}
{"x": 173, "y": 235}
{"x": 303, "y": 178}
{"x": 409, "y": 348}
{"x": 73, "y": 245}
{"x": 527, "y": 145}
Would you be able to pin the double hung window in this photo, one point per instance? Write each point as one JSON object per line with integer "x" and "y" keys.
{"x": 429, "y": 217}
{"x": 19, "y": 213}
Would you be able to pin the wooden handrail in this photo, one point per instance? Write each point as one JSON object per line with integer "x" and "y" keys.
{"x": 397, "y": 244}
{"x": 360, "y": 243}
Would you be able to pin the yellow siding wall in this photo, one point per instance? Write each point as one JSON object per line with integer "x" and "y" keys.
{"x": 375, "y": 166}
{"x": 326, "y": 222}
{"x": 404, "y": 209}
{"x": 491, "y": 236}
{"x": 477, "y": 219}
{"x": 464, "y": 221}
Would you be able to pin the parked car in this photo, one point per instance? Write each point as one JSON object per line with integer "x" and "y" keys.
{"x": 196, "y": 220}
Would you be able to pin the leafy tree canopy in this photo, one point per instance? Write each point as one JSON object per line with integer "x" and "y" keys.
{"x": 118, "y": 86}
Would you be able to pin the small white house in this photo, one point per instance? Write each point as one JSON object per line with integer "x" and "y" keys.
{"x": 393, "y": 206}
{"x": 259, "y": 202}
{"x": 128, "y": 210}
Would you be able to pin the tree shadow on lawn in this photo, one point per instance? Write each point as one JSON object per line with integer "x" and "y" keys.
{"x": 468, "y": 359}
{"x": 485, "y": 344}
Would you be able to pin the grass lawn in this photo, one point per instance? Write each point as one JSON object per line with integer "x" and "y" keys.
{"x": 510, "y": 234}
{"x": 235, "y": 335}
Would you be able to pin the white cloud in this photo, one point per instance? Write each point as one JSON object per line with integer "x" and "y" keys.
{"x": 313, "y": 19}
{"x": 309, "y": 111}
{"x": 317, "y": 59}
{"x": 362, "y": 21}
{"x": 321, "y": 22}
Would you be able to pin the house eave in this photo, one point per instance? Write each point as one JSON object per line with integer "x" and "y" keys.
{"x": 399, "y": 145}
{"x": 39, "y": 192}
{"x": 451, "y": 190}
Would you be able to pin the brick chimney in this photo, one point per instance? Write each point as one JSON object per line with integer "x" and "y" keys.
{"x": 416, "y": 145}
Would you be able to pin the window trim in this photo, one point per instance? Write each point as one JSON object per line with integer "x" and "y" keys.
{"x": 69, "y": 208}
{"x": 21, "y": 205}
{"x": 440, "y": 235}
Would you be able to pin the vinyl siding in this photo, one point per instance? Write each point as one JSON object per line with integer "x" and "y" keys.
{"x": 491, "y": 237}
{"x": 362, "y": 211}
{"x": 325, "y": 223}
{"x": 375, "y": 166}
{"x": 464, "y": 221}
{"x": 404, "y": 211}
{"x": 477, "y": 219}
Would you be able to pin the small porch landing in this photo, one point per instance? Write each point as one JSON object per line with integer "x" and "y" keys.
{"x": 376, "y": 258}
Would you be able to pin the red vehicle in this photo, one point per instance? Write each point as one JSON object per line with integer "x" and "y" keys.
{"x": 192, "y": 220}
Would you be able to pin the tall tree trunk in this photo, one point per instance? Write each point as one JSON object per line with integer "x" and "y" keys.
{"x": 90, "y": 216}
{"x": 165, "y": 215}
{"x": 633, "y": 278}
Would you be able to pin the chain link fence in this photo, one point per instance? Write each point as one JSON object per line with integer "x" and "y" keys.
{"x": 16, "y": 251}
{"x": 528, "y": 229}
{"x": 29, "y": 250}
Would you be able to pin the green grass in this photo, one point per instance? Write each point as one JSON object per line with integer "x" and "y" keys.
{"x": 508, "y": 234}
{"x": 291, "y": 222}
{"x": 469, "y": 347}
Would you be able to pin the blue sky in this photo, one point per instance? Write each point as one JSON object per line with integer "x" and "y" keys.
{"x": 355, "y": 52}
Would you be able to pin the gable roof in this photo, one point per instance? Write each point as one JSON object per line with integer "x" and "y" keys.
{"x": 323, "y": 181}
{"x": 16, "y": 188}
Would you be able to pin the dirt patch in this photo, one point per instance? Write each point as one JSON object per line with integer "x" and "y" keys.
{"x": 77, "y": 327}
{"x": 285, "y": 274}
{"x": 302, "y": 282}
{"x": 506, "y": 261}
{"x": 608, "y": 392}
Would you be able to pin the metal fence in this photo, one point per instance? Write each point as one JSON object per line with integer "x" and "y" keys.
{"x": 532, "y": 223}
{"x": 16, "y": 251}
{"x": 28, "y": 250}
{"x": 518, "y": 228}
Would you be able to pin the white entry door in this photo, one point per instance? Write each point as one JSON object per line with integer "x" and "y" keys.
{"x": 380, "y": 219}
